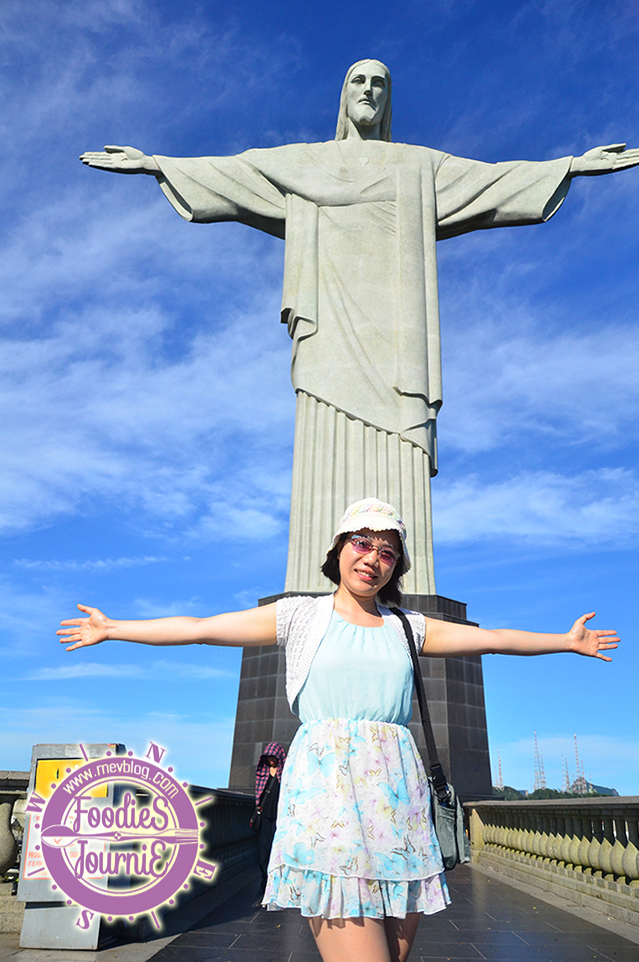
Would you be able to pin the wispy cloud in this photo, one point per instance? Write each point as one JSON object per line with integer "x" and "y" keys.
{"x": 157, "y": 670}
{"x": 595, "y": 507}
{"x": 165, "y": 608}
{"x": 27, "y": 616}
{"x": 248, "y": 597}
{"x": 564, "y": 386}
{"x": 97, "y": 565}
{"x": 155, "y": 418}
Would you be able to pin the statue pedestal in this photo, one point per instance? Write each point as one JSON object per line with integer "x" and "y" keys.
{"x": 454, "y": 689}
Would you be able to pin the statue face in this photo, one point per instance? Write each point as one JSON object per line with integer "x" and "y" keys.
{"x": 366, "y": 94}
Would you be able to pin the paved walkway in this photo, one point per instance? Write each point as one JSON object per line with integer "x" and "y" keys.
{"x": 487, "y": 920}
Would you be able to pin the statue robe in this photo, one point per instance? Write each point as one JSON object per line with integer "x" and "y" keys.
{"x": 361, "y": 219}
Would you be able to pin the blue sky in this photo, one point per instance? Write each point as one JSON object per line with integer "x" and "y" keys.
{"x": 146, "y": 413}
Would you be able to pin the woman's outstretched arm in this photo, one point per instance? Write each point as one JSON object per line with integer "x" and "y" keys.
{"x": 256, "y": 626}
{"x": 445, "y": 638}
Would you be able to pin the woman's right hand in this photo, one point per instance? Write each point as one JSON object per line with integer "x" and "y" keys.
{"x": 84, "y": 631}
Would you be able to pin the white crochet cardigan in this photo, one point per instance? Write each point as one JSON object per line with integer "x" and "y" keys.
{"x": 302, "y": 622}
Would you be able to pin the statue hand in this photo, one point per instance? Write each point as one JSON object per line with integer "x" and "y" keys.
{"x": 604, "y": 160}
{"x": 84, "y": 631}
{"x": 121, "y": 160}
{"x": 588, "y": 641}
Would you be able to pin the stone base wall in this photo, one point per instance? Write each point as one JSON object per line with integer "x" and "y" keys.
{"x": 614, "y": 899}
{"x": 11, "y": 911}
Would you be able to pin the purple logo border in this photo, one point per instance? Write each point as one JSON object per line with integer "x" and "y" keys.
{"x": 121, "y": 903}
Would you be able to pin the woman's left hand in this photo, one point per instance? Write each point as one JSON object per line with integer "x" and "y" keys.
{"x": 587, "y": 641}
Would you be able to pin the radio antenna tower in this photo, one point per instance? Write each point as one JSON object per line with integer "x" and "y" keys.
{"x": 566, "y": 783}
{"x": 580, "y": 776}
{"x": 540, "y": 776}
{"x": 500, "y": 779}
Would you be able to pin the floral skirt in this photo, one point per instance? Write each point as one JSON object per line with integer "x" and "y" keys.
{"x": 354, "y": 832}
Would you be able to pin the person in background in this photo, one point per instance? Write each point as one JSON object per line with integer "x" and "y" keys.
{"x": 268, "y": 776}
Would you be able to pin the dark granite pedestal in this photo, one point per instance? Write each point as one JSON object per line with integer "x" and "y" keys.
{"x": 454, "y": 689}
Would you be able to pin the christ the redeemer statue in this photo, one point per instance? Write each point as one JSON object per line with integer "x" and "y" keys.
{"x": 361, "y": 215}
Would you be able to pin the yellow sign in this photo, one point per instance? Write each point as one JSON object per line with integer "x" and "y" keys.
{"x": 51, "y": 771}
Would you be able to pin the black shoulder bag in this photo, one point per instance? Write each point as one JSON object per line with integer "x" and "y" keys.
{"x": 448, "y": 815}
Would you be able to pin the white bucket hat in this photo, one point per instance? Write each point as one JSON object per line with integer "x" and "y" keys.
{"x": 376, "y": 515}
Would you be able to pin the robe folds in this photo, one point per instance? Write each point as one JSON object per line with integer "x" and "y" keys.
{"x": 361, "y": 219}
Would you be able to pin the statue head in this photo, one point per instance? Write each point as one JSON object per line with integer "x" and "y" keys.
{"x": 380, "y": 94}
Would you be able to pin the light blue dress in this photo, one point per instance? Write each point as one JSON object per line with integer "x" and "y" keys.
{"x": 354, "y": 832}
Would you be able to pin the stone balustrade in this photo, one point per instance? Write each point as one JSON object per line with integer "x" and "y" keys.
{"x": 13, "y": 785}
{"x": 13, "y": 789}
{"x": 586, "y": 849}
{"x": 228, "y": 837}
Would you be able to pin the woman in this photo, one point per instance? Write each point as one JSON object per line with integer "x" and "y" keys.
{"x": 354, "y": 847}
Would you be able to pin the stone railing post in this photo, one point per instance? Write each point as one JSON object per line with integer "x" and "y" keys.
{"x": 477, "y": 829}
{"x": 607, "y": 844}
{"x": 618, "y": 849}
{"x": 554, "y": 839}
{"x": 13, "y": 785}
{"x": 585, "y": 841}
{"x": 630, "y": 860}
{"x": 594, "y": 849}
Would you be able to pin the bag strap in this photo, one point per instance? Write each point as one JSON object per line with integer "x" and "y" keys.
{"x": 437, "y": 772}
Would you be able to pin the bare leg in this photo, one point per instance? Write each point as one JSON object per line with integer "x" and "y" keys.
{"x": 351, "y": 940}
{"x": 363, "y": 939}
{"x": 400, "y": 934}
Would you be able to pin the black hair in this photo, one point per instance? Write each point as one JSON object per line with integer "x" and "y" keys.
{"x": 390, "y": 594}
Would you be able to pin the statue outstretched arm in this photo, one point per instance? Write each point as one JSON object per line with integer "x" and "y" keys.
{"x": 604, "y": 160}
{"x": 121, "y": 160}
{"x": 204, "y": 189}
